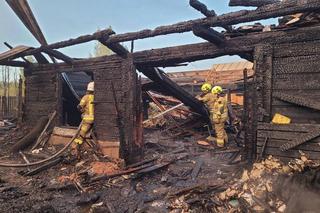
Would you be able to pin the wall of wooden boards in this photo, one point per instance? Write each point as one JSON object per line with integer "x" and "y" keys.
{"x": 43, "y": 97}
{"x": 292, "y": 69}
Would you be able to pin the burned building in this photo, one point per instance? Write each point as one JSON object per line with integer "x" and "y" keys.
{"x": 285, "y": 76}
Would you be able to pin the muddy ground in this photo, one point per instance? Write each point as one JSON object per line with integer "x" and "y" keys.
{"x": 155, "y": 191}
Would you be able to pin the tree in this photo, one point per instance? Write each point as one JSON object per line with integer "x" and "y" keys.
{"x": 100, "y": 49}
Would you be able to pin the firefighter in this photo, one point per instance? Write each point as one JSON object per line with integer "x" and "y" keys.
{"x": 220, "y": 116}
{"x": 86, "y": 107}
{"x": 208, "y": 98}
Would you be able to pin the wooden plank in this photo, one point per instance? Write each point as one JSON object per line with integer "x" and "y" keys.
{"x": 298, "y": 100}
{"x": 290, "y": 153}
{"x": 310, "y": 146}
{"x": 287, "y": 127}
{"x": 278, "y": 135}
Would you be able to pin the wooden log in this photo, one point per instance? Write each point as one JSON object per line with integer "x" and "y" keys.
{"x": 44, "y": 167}
{"x": 233, "y": 46}
{"x": 40, "y": 58}
{"x": 172, "y": 88}
{"x": 15, "y": 64}
{"x": 11, "y": 47}
{"x": 81, "y": 39}
{"x": 116, "y": 48}
{"x": 40, "y": 138}
{"x": 251, "y": 3}
{"x": 31, "y": 136}
{"x": 209, "y": 34}
{"x": 202, "y": 8}
{"x": 58, "y": 55}
{"x": 269, "y": 11}
{"x": 199, "y": 51}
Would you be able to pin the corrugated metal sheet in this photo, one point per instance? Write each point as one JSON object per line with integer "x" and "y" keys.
{"x": 241, "y": 65}
{"x": 227, "y": 73}
{"x": 13, "y": 53}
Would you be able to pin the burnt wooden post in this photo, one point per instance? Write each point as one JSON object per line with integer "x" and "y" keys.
{"x": 122, "y": 73}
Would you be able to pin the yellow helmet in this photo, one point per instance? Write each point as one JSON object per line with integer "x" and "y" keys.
{"x": 206, "y": 87}
{"x": 216, "y": 90}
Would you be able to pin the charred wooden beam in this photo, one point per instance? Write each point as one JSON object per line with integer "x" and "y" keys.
{"x": 298, "y": 100}
{"x": 25, "y": 14}
{"x": 210, "y": 35}
{"x": 269, "y": 11}
{"x": 116, "y": 48}
{"x": 265, "y": 12}
{"x": 15, "y": 63}
{"x": 200, "y": 51}
{"x": 58, "y": 55}
{"x": 252, "y": 3}
{"x": 81, "y": 39}
{"x": 40, "y": 58}
{"x": 202, "y": 8}
{"x": 11, "y": 47}
{"x": 159, "y": 77}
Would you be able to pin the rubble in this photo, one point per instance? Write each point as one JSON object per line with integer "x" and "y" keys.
{"x": 171, "y": 165}
{"x": 258, "y": 187}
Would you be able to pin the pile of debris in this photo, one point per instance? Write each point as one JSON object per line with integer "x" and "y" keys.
{"x": 261, "y": 189}
{"x": 7, "y": 125}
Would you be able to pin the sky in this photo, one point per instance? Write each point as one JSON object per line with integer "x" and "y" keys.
{"x": 64, "y": 19}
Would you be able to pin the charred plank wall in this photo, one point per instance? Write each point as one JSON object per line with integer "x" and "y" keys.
{"x": 287, "y": 82}
{"x": 123, "y": 75}
{"x": 43, "y": 97}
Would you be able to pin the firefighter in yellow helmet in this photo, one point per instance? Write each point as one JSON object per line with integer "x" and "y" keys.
{"x": 220, "y": 116}
{"x": 207, "y": 97}
{"x": 86, "y": 107}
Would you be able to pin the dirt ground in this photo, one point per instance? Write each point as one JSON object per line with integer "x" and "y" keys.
{"x": 54, "y": 190}
{"x": 197, "y": 178}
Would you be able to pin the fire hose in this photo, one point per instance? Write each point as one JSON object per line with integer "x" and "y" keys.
{"x": 44, "y": 160}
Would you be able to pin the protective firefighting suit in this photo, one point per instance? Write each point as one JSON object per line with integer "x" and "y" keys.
{"x": 209, "y": 99}
{"x": 86, "y": 106}
{"x": 219, "y": 117}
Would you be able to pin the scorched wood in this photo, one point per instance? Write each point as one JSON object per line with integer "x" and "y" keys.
{"x": 252, "y": 3}
{"x": 202, "y": 8}
{"x": 265, "y": 12}
{"x": 269, "y": 11}
{"x": 58, "y": 55}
